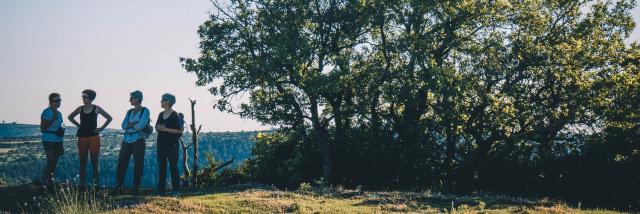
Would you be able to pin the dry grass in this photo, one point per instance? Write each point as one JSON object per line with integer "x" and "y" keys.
{"x": 260, "y": 199}
{"x": 163, "y": 205}
{"x": 345, "y": 201}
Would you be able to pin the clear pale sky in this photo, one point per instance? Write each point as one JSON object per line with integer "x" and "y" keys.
{"x": 112, "y": 47}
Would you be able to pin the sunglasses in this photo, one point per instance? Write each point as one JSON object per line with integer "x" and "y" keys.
{"x": 57, "y": 100}
{"x": 85, "y": 97}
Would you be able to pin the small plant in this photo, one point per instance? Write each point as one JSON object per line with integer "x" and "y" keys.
{"x": 294, "y": 208}
{"x": 216, "y": 173}
{"x": 305, "y": 187}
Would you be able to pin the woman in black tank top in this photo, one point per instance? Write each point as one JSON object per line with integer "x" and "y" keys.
{"x": 88, "y": 123}
{"x": 89, "y": 135}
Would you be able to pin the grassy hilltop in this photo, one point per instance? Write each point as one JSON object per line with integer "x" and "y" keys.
{"x": 252, "y": 198}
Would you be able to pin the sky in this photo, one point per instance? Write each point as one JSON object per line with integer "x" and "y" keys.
{"x": 113, "y": 47}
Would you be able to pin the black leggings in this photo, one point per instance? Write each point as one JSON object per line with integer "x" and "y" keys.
{"x": 126, "y": 150}
{"x": 52, "y": 151}
{"x": 168, "y": 151}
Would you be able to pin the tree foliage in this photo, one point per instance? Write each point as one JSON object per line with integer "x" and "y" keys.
{"x": 511, "y": 96}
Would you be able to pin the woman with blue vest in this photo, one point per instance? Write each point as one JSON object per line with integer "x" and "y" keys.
{"x": 134, "y": 125}
{"x": 52, "y": 137}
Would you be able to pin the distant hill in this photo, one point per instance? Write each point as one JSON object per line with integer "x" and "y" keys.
{"x": 10, "y": 130}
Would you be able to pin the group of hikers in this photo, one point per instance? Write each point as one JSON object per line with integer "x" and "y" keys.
{"x": 169, "y": 127}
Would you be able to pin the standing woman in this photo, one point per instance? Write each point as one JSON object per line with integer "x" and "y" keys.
{"x": 134, "y": 124}
{"x": 169, "y": 127}
{"x": 52, "y": 137}
{"x": 89, "y": 135}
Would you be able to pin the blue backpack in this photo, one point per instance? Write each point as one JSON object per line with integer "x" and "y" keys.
{"x": 181, "y": 116}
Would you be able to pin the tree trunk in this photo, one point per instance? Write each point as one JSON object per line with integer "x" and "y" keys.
{"x": 321, "y": 139}
{"x": 185, "y": 160}
{"x": 481, "y": 160}
{"x": 194, "y": 142}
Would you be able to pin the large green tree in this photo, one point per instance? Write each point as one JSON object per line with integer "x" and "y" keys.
{"x": 437, "y": 89}
{"x": 289, "y": 57}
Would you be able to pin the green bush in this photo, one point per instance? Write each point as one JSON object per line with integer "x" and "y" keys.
{"x": 283, "y": 159}
{"x": 305, "y": 187}
{"x": 224, "y": 176}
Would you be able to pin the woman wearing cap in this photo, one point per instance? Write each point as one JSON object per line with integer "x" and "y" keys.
{"x": 169, "y": 129}
{"x": 89, "y": 135}
{"x": 52, "y": 136}
{"x": 133, "y": 143}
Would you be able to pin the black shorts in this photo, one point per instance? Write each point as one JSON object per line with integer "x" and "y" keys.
{"x": 54, "y": 146}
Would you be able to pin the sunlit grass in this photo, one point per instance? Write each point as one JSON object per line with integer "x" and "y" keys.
{"x": 70, "y": 200}
{"x": 335, "y": 200}
{"x": 253, "y": 198}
